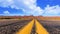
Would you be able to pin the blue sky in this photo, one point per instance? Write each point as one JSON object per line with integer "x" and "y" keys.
{"x": 44, "y": 3}
{"x": 30, "y": 7}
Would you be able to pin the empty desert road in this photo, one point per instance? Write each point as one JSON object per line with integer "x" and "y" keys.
{"x": 29, "y": 26}
{"x": 27, "y": 29}
{"x": 38, "y": 28}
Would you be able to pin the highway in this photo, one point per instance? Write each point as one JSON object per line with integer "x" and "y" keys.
{"x": 37, "y": 29}
{"x": 32, "y": 26}
{"x": 40, "y": 29}
{"x": 29, "y": 26}
{"x": 27, "y": 29}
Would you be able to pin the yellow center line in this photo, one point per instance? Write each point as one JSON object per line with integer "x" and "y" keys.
{"x": 40, "y": 29}
{"x": 27, "y": 29}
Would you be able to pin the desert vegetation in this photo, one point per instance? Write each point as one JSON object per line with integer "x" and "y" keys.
{"x": 53, "y": 18}
{"x": 11, "y": 26}
{"x": 51, "y": 24}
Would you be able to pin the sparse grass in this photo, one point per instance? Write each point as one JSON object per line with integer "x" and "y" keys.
{"x": 12, "y": 25}
{"x": 53, "y": 27}
{"x": 49, "y": 18}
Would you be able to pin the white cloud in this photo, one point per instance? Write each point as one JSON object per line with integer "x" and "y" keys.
{"x": 30, "y": 7}
{"x": 6, "y": 12}
{"x": 6, "y": 3}
{"x": 14, "y": 6}
{"x": 52, "y": 10}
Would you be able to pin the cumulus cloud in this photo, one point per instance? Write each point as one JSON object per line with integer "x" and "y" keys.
{"x": 30, "y": 7}
{"x": 52, "y": 10}
{"x": 6, "y": 12}
{"x": 6, "y": 3}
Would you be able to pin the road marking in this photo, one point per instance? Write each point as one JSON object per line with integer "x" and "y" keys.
{"x": 40, "y": 29}
{"x": 27, "y": 29}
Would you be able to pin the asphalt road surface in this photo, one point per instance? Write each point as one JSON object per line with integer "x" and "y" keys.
{"x": 32, "y": 26}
